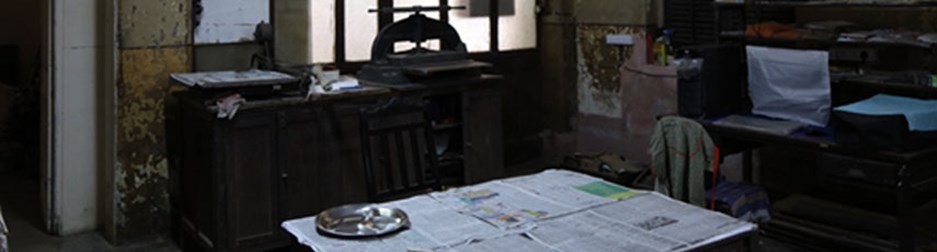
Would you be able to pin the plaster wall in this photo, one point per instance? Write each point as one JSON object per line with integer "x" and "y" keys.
{"x": 615, "y": 95}
{"x": 154, "y": 41}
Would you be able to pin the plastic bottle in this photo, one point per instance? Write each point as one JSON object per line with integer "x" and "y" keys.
{"x": 662, "y": 48}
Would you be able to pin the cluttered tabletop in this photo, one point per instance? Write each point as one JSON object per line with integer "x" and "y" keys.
{"x": 555, "y": 210}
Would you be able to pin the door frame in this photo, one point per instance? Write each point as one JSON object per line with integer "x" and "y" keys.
{"x": 77, "y": 97}
{"x": 48, "y": 136}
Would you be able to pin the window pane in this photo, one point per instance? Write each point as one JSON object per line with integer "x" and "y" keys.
{"x": 322, "y": 32}
{"x": 518, "y": 31}
{"x": 432, "y": 44}
{"x": 360, "y": 29}
{"x": 291, "y": 24}
{"x": 475, "y": 31}
{"x": 404, "y": 46}
{"x": 411, "y": 3}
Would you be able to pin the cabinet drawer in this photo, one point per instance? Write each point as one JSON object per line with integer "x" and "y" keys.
{"x": 865, "y": 170}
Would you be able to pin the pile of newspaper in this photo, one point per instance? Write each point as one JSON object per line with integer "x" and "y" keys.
{"x": 551, "y": 211}
{"x": 885, "y": 36}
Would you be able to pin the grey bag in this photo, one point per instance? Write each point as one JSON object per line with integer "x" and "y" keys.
{"x": 790, "y": 84}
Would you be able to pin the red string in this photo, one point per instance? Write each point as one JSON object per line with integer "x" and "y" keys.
{"x": 712, "y": 190}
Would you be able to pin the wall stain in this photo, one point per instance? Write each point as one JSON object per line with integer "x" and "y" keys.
{"x": 142, "y": 176}
{"x": 600, "y": 59}
{"x": 599, "y": 69}
{"x": 148, "y": 23}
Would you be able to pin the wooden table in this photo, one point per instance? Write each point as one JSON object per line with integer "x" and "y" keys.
{"x": 555, "y": 210}
{"x": 910, "y": 178}
{"x": 233, "y": 181}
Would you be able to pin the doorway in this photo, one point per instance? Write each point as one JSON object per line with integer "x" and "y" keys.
{"x": 21, "y": 43}
{"x": 52, "y": 104}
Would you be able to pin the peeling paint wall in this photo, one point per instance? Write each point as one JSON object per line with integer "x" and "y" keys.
{"x": 598, "y": 63}
{"x": 618, "y": 95}
{"x": 142, "y": 174}
{"x": 154, "y": 39}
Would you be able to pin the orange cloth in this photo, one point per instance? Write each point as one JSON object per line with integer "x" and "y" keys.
{"x": 773, "y": 30}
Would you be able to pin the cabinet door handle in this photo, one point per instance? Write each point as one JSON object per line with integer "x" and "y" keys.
{"x": 468, "y": 145}
{"x": 281, "y": 119}
{"x": 284, "y": 175}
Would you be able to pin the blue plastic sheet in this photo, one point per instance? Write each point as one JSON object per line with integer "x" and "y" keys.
{"x": 921, "y": 114}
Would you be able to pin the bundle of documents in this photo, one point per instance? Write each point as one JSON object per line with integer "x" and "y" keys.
{"x": 921, "y": 114}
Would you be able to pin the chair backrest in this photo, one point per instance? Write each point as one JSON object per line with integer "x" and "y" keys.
{"x": 398, "y": 150}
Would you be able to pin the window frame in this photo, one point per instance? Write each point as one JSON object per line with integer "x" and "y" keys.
{"x": 385, "y": 19}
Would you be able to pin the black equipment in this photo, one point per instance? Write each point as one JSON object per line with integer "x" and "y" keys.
{"x": 717, "y": 88}
{"x": 889, "y": 133}
{"x": 419, "y": 65}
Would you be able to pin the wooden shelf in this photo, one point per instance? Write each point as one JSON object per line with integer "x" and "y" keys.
{"x": 813, "y": 43}
{"x": 923, "y": 91}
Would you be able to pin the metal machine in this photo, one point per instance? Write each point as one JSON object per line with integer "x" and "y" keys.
{"x": 419, "y": 65}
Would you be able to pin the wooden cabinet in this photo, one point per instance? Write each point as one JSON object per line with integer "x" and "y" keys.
{"x": 250, "y": 164}
{"x": 483, "y": 146}
{"x": 230, "y": 185}
{"x": 235, "y": 181}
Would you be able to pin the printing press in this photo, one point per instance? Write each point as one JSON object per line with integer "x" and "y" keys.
{"x": 421, "y": 66}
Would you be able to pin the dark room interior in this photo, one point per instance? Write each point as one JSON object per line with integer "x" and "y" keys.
{"x": 468, "y": 125}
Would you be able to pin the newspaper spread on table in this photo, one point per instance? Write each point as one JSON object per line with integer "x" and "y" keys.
{"x": 554, "y": 210}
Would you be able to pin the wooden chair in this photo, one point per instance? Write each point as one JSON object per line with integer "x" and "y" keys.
{"x": 398, "y": 150}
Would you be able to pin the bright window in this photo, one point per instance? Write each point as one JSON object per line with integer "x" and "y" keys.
{"x": 520, "y": 30}
{"x": 404, "y": 46}
{"x": 322, "y": 32}
{"x": 360, "y": 29}
{"x": 515, "y": 32}
{"x": 475, "y": 31}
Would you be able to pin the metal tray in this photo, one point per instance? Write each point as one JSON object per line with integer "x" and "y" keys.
{"x": 361, "y": 220}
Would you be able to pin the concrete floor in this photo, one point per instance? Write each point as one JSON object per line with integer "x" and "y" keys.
{"x": 19, "y": 199}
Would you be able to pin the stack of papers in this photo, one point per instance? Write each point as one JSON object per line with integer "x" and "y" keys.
{"x": 921, "y": 114}
{"x": 343, "y": 83}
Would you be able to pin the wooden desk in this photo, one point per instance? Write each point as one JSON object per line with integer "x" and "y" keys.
{"x": 233, "y": 181}
{"x": 910, "y": 177}
{"x": 555, "y": 210}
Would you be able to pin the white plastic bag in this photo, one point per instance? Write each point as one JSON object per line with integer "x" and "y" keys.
{"x": 790, "y": 84}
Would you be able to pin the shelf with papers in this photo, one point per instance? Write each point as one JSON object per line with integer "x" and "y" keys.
{"x": 828, "y": 4}
{"x": 906, "y": 88}
{"x": 816, "y": 44}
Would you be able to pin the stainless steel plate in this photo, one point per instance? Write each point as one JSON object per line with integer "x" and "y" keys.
{"x": 361, "y": 220}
